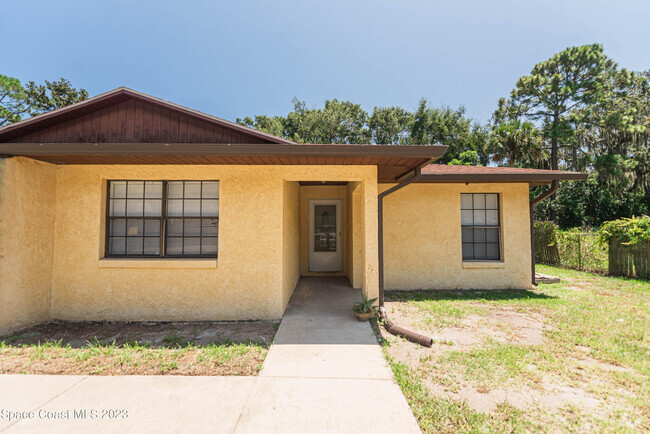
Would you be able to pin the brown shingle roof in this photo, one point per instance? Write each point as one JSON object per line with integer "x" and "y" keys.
{"x": 445, "y": 173}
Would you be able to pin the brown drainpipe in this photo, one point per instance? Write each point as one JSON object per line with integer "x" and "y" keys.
{"x": 554, "y": 185}
{"x": 388, "y": 325}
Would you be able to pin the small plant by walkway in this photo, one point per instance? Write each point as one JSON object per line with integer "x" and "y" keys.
{"x": 573, "y": 356}
{"x": 191, "y": 348}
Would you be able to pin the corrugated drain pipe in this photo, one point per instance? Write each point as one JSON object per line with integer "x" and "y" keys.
{"x": 554, "y": 185}
{"x": 388, "y": 325}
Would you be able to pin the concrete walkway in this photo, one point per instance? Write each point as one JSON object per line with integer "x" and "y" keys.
{"x": 324, "y": 373}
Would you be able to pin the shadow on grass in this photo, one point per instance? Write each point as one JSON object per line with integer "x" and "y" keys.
{"x": 465, "y": 294}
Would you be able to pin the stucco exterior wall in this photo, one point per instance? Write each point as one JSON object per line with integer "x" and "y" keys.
{"x": 290, "y": 240}
{"x": 252, "y": 278}
{"x": 27, "y": 198}
{"x": 355, "y": 234}
{"x": 422, "y": 239}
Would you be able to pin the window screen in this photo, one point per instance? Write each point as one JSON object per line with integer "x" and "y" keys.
{"x": 480, "y": 225}
{"x": 162, "y": 218}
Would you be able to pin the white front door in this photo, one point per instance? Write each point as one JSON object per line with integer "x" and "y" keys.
{"x": 325, "y": 235}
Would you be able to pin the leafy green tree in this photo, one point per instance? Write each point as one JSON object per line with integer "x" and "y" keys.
{"x": 570, "y": 80}
{"x": 337, "y": 122}
{"x": 17, "y": 101}
{"x": 613, "y": 136}
{"x": 51, "y": 96}
{"x": 390, "y": 125}
{"x": 516, "y": 143}
{"x": 467, "y": 158}
{"x": 444, "y": 126}
{"x": 12, "y": 100}
{"x": 268, "y": 124}
{"x": 346, "y": 122}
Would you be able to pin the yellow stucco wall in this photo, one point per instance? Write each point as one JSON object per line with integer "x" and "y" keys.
{"x": 370, "y": 264}
{"x": 422, "y": 238}
{"x": 252, "y": 279}
{"x": 290, "y": 240}
{"x": 355, "y": 234}
{"x": 27, "y": 197}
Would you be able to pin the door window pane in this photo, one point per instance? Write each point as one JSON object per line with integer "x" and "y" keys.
{"x": 325, "y": 228}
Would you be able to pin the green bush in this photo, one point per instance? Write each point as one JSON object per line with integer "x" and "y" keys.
{"x": 627, "y": 231}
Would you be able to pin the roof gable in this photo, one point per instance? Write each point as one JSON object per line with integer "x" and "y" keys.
{"x": 126, "y": 116}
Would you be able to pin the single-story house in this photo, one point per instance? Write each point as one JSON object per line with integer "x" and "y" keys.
{"x": 129, "y": 207}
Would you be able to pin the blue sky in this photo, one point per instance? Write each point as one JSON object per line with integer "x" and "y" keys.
{"x": 237, "y": 57}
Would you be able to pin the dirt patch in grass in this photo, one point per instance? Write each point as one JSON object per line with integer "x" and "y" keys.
{"x": 121, "y": 348}
{"x": 550, "y": 359}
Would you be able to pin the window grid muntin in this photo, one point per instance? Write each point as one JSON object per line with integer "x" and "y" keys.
{"x": 473, "y": 228}
{"x": 162, "y": 219}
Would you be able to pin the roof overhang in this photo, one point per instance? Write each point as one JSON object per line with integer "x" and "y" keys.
{"x": 392, "y": 161}
{"x": 466, "y": 174}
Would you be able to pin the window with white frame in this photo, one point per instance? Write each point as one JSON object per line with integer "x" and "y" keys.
{"x": 480, "y": 225}
{"x": 162, "y": 219}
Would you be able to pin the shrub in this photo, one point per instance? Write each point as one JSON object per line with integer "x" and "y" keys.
{"x": 627, "y": 231}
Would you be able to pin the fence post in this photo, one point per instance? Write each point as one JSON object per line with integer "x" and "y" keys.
{"x": 579, "y": 251}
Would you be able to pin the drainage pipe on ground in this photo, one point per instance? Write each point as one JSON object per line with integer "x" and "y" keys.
{"x": 554, "y": 185}
{"x": 389, "y": 325}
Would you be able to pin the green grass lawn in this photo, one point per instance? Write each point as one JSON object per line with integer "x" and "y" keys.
{"x": 594, "y": 342}
{"x": 115, "y": 348}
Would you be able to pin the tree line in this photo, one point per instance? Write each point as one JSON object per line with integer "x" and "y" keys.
{"x": 576, "y": 111}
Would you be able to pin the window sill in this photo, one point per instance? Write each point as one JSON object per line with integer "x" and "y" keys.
{"x": 484, "y": 265}
{"x": 157, "y": 263}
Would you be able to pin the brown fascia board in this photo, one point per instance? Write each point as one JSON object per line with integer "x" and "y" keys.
{"x": 531, "y": 178}
{"x": 271, "y": 149}
{"x": 125, "y": 91}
